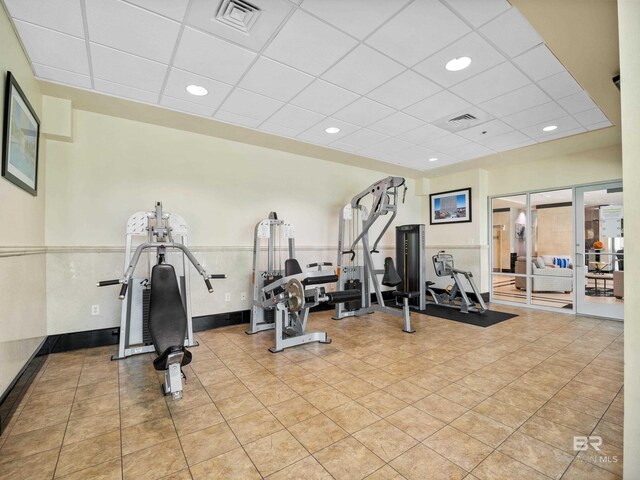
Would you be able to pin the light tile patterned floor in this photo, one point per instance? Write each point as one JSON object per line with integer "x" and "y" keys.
{"x": 451, "y": 401}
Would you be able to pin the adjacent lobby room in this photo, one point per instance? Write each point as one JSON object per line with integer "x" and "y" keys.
{"x": 486, "y": 148}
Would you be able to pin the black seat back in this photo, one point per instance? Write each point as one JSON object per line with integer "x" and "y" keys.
{"x": 390, "y": 277}
{"x": 167, "y": 317}
{"x": 291, "y": 267}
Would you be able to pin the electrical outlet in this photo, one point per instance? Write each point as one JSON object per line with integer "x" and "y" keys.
{"x": 95, "y": 309}
{"x": 227, "y": 297}
{"x": 243, "y": 296}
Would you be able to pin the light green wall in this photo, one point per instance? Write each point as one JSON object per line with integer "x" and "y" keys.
{"x": 22, "y": 262}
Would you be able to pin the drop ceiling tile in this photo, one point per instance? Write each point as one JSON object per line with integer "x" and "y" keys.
{"x": 404, "y": 90}
{"x": 566, "y": 133}
{"x": 126, "y": 69}
{"x": 437, "y": 106}
{"x": 188, "y": 107}
{"x": 249, "y": 104}
{"x": 313, "y": 138}
{"x": 323, "y": 97}
{"x": 54, "y": 49}
{"x": 62, "y": 15}
{"x": 483, "y": 56}
{"x": 297, "y": 44}
{"x": 396, "y": 124}
{"x": 506, "y": 141}
{"x": 212, "y": 57}
{"x": 598, "y": 126}
{"x": 254, "y": 30}
{"x": 591, "y": 117}
{"x": 364, "y": 138}
{"x": 541, "y": 113}
{"x": 131, "y": 29}
{"x": 362, "y": 70}
{"x": 356, "y": 17}
{"x": 448, "y": 142}
{"x": 407, "y": 38}
{"x": 492, "y": 83}
{"x": 179, "y": 79}
{"x": 295, "y": 118}
{"x": 578, "y": 102}
{"x": 363, "y": 112}
{"x": 124, "y": 91}
{"x": 478, "y": 12}
{"x": 280, "y": 130}
{"x": 319, "y": 129}
{"x": 516, "y": 101}
{"x": 345, "y": 147}
{"x": 511, "y": 33}
{"x": 274, "y": 79}
{"x": 560, "y": 85}
{"x": 423, "y": 134}
{"x": 564, "y": 124}
{"x": 169, "y": 8}
{"x": 470, "y": 151}
{"x": 539, "y": 63}
{"x": 486, "y": 130}
{"x": 417, "y": 155}
{"x": 241, "y": 120}
{"x": 390, "y": 146}
{"x": 61, "y": 76}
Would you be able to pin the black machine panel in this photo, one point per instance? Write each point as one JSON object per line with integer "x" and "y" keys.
{"x": 410, "y": 244}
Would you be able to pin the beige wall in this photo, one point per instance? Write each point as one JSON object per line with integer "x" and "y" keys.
{"x": 555, "y": 231}
{"x": 22, "y": 263}
{"x": 629, "y": 19}
{"x": 114, "y": 167}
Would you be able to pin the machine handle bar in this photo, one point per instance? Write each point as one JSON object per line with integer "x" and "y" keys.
{"x": 320, "y": 264}
{"x": 217, "y": 276}
{"x": 123, "y": 291}
{"x": 106, "y": 283}
{"x": 208, "y": 284}
{"x": 352, "y": 252}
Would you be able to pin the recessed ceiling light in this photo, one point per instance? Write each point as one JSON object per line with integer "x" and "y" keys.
{"x": 550, "y": 128}
{"x": 332, "y": 130}
{"x": 433, "y": 159}
{"x": 457, "y": 64}
{"x": 197, "y": 90}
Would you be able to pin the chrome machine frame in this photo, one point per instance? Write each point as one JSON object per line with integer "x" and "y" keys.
{"x": 163, "y": 231}
{"x": 385, "y": 195}
{"x": 262, "y": 317}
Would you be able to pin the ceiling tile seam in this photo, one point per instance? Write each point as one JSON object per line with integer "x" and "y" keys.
{"x": 140, "y": 7}
{"x": 87, "y": 42}
{"x": 38, "y": 25}
{"x": 17, "y": 35}
{"x": 173, "y": 54}
{"x": 469, "y": 24}
{"x": 259, "y": 54}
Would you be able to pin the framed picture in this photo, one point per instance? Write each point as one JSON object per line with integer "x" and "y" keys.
{"x": 450, "y": 207}
{"x": 20, "y": 139}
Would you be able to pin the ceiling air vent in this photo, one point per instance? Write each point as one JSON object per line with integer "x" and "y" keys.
{"x": 238, "y": 14}
{"x": 462, "y": 120}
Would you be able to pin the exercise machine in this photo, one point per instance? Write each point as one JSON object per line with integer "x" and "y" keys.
{"x": 355, "y": 262}
{"x": 292, "y": 296}
{"x": 270, "y": 237}
{"x": 455, "y": 295}
{"x": 410, "y": 263}
{"x": 156, "y": 311}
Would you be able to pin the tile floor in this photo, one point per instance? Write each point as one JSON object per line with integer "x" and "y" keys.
{"x": 451, "y": 401}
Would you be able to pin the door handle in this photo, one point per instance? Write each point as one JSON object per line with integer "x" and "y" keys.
{"x": 579, "y": 259}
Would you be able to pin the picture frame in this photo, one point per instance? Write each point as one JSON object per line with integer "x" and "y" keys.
{"x": 20, "y": 139}
{"x": 449, "y": 207}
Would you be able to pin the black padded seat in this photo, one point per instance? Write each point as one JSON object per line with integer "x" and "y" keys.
{"x": 406, "y": 294}
{"x": 167, "y": 317}
{"x": 291, "y": 267}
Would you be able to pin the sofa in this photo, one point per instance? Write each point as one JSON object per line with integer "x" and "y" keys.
{"x": 546, "y": 274}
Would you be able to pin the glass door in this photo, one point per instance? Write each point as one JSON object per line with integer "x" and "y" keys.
{"x": 600, "y": 250}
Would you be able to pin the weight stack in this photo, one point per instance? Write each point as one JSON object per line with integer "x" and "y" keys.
{"x": 354, "y": 304}
{"x": 270, "y": 315}
{"x": 146, "y": 298}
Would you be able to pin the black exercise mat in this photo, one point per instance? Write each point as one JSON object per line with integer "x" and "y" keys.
{"x": 485, "y": 319}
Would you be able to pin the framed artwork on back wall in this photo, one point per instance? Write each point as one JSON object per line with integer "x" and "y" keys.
{"x": 20, "y": 139}
{"x": 450, "y": 207}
